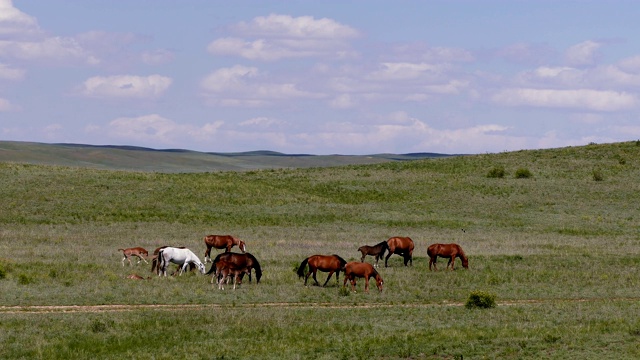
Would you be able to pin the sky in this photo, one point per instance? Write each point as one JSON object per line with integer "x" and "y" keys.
{"x": 321, "y": 77}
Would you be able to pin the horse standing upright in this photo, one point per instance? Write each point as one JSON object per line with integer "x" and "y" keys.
{"x": 182, "y": 257}
{"x": 448, "y": 251}
{"x": 222, "y": 242}
{"x": 376, "y": 251}
{"x": 134, "y": 251}
{"x": 227, "y": 269}
{"x": 402, "y": 246}
{"x": 325, "y": 263}
{"x": 356, "y": 269}
{"x": 241, "y": 260}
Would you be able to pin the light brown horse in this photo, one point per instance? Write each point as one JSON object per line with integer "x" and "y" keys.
{"x": 227, "y": 269}
{"x": 356, "y": 269}
{"x": 325, "y": 263}
{"x": 377, "y": 251}
{"x": 402, "y": 246}
{"x": 134, "y": 251}
{"x": 449, "y": 251}
{"x": 222, "y": 242}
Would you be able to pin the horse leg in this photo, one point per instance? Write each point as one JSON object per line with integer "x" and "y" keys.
{"x": 386, "y": 259}
{"x": 315, "y": 271}
{"x": 363, "y": 256}
{"x": 353, "y": 284}
{"x": 207, "y": 253}
{"x": 434, "y": 259}
{"x": 123, "y": 259}
{"x": 450, "y": 262}
{"x": 366, "y": 284}
{"x": 329, "y": 277}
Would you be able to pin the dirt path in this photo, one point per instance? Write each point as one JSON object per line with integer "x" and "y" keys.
{"x": 175, "y": 307}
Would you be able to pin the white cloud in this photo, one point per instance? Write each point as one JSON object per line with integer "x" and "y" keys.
{"x": 276, "y": 37}
{"x": 5, "y": 105}
{"x": 14, "y": 21}
{"x": 583, "y": 99}
{"x": 154, "y": 130}
{"x": 583, "y": 53}
{"x": 126, "y": 86}
{"x": 405, "y": 71}
{"x": 157, "y": 57}
{"x": 9, "y": 73}
{"x": 246, "y": 86}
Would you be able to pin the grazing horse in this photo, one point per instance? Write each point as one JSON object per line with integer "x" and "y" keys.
{"x": 182, "y": 257}
{"x": 227, "y": 269}
{"x": 325, "y": 263}
{"x": 356, "y": 269}
{"x": 155, "y": 261}
{"x": 241, "y": 260}
{"x": 377, "y": 251}
{"x": 449, "y": 251}
{"x": 401, "y": 246}
{"x": 222, "y": 242}
{"x": 135, "y": 251}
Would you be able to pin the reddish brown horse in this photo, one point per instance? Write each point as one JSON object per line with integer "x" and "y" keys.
{"x": 356, "y": 269}
{"x": 222, "y": 242}
{"x": 376, "y": 251}
{"x": 402, "y": 246}
{"x": 326, "y": 263}
{"x": 449, "y": 251}
{"x": 241, "y": 260}
{"x": 226, "y": 270}
{"x": 134, "y": 251}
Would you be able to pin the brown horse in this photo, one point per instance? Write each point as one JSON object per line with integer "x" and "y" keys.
{"x": 325, "y": 263}
{"x": 241, "y": 260}
{"x": 355, "y": 270}
{"x": 225, "y": 270}
{"x": 134, "y": 251}
{"x": 154, "y": 261}
{"x": 449, "y": 251}
{"x": 376, "y": 251}
{"x": 401, "y": 246}
{"x": 221, "y": 242}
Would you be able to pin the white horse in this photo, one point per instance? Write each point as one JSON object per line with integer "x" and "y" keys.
{"x": 182, "y": 257}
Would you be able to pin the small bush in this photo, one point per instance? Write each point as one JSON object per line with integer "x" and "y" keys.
{"x": 496, "y": 172}
{"x": 480, "y": 300}
{"x": 344, "y": 291}
{"x": 597, "y": 175}
{"x": 24, "y": 279}
{"x": 3, "y": 271}
{"x": 523, "y": 173}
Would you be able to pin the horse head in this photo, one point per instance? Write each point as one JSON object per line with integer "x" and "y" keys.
{"x": 465, "y": 262}
{"x": 379, "y": 281}
{"x": 201, "y": 267}
{"x": 242, "y": 246}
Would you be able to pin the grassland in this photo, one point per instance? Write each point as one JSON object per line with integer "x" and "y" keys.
{"x": 560, "y": 250}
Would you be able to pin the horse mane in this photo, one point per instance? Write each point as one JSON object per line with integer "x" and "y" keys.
{"x": 384, "y": 244}
{"x": 343, "y": 262}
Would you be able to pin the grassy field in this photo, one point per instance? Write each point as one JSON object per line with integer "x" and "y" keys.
{"x": 554, "y": 234}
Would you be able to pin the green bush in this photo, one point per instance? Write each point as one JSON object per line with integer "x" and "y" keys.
{"x": 496, "y": 172}
{"x": 480, "y": 299}
{"x": 597, "y": 175}
{"x": 3, "y": 271}
{"x": 523, "y": 173}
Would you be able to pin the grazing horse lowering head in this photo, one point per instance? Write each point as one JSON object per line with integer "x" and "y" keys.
{"x": 447, "y": 251}
{"x": 182, "y": 257}
{"x": 326, "y": 263}
{"x": 354, "y": 270}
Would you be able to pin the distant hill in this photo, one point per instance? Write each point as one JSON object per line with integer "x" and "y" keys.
{"x": 114, "y": 157}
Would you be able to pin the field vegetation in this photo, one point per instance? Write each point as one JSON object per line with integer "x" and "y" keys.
{"x": 553, "y": 239}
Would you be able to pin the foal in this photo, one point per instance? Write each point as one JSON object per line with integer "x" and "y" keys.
{"x": 135, "y": 251}
{"x": 225, "y": 270}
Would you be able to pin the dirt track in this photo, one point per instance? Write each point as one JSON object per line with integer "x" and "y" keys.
{"x": 176, "y": 307}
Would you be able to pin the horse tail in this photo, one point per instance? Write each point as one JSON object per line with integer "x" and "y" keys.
{"x": 302, "y": 266}
{"x": 121, "y": 250}
{"x": 256, "y": 267}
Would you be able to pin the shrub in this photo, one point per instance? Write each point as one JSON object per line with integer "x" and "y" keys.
{"x": 496, "y": 172}
{"x": 344, "y": 291}
{"x": 3, "y": 271}
{"x": 523, "y": 173}
{"x": 481, "y": 300}
{"x": 597, "y": 175}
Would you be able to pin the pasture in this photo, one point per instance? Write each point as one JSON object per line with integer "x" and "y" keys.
{"x": 558, "y": 246}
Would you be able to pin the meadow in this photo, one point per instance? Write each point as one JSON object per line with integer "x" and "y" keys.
{"x": 554, "y": 234}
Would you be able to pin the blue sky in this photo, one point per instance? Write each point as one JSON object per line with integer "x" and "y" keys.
{"x": 321, "y": 77}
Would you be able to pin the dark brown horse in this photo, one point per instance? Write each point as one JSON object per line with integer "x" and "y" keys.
{"x": 449, "y": 251}
{"x": 326, "y": 263}
{"x": 241, "y": 260}
{"x": 376, "y": 251}
{"x": 356, "y": 269}
{"x": 222, "y": 242}
{"x": 154, "y": 261}
{"x": 402, "y": 246}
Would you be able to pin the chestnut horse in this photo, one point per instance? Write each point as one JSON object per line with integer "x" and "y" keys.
{"x": 377, "y": 251}
{"x": 449, "y": 251}
{"x": 135, "y": 251}
{"x": 227, "y": 269}
{"x": 222, "y": 242}
{"x": 355, "y": 270}
{"x": 401, "y": 246}
{"x": 241, "y": 260}
{"x": 325, "y": 263}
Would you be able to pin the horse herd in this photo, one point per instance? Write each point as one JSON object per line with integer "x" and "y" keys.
{"x": 228, "y": 265}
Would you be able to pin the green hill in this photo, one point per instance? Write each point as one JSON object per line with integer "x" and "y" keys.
{"x": 177, "y": 160}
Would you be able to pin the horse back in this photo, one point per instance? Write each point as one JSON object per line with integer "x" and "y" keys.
{"x": 400, "y": 244}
